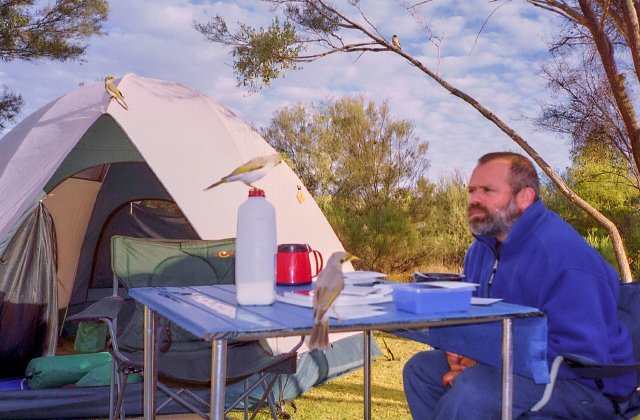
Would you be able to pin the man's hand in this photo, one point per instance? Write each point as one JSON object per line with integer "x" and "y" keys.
{"x": 457, "y": 363}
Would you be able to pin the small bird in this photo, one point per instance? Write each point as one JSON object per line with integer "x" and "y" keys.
{"x": 328, "y": 286}
{"x": 396, "y": 41}
{"x": 114, "y": 92}
{"x": 251, "y": 171}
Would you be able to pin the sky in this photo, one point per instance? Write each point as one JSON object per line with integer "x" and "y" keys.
{"x": 498, "y": 66}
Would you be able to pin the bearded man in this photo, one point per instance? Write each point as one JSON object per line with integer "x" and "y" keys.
{"x": 527, "y": 255}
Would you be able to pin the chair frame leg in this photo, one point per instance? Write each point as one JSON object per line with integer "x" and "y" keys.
{"x": 112, "y": 389}
{"x": 122, "y": 384}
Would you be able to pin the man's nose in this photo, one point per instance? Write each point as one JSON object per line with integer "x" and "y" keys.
{"x": 474, "y": 198}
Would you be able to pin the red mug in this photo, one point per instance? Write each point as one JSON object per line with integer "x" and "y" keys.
{"x": 293, "y": 264}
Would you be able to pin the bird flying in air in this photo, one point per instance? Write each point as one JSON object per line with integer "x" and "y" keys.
{"x": 114, "y": 92}
{"x": 328, "y": 286}
{"x": 251, "y": 171}
{"x": 395, "y": 41}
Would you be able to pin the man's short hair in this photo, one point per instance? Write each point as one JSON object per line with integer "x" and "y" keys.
{"x": 523, "y": 173}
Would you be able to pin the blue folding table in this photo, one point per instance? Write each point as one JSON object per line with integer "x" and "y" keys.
{"x": 212, "y": 313}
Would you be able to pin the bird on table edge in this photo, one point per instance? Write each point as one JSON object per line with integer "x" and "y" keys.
{"x": 327, "y": 288}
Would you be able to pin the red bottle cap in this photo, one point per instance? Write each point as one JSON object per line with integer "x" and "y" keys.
{"x": 256, "y": 192}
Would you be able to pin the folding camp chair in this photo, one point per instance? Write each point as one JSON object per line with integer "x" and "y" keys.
{"x": 629, "y": 314}
{"x": 183, "y": 358}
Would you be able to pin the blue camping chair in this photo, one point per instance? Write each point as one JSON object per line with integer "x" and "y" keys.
{"x": 629, "y": 314}
{"x": 184, "y": 358}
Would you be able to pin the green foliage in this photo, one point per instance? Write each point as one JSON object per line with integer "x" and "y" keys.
{"x": 260, "y": 55}
{"x": 366, "y": 171}
{"x": 51, "y": 32}
{"x": 266, "y": 54}
{"x": 602, "y": 243}
{"x": 601, "y": 177}
{"x": 444, "y": 209}
{"x": 10, "y": 104}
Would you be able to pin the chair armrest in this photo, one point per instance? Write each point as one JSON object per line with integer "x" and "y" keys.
{"x": 105, "y": 308}
{"x": 589, "y": 368}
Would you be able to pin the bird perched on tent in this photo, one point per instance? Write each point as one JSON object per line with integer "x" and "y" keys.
{"x": 396, "y": 41}
{"x": 328, "y": 286}
{"x": 251, "y": 171}
{"x": 114, "y": 92}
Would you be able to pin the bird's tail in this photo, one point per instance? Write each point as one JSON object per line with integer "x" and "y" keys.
{"x": 214, "y": 185}
{"x": 122, "y": 103}
{"x": 319, "y": 338}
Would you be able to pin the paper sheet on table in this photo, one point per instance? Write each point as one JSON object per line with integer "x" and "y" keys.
{"x": 379, "y": 294}
{"x": 362, "y": 277}
{"x": 381, "y": 289}
{"x": 480, "y": 301}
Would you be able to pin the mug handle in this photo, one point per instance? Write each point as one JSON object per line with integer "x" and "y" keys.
{"x": 319, "y": 265}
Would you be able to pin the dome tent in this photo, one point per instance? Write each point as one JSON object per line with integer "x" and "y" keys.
{"x": 59, "y": 157}
{"x": 185, "y": 138}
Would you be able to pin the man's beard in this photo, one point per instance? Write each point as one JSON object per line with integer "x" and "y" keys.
{"x": 494, "y": 223}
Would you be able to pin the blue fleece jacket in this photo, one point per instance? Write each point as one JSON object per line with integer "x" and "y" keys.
{"x": 545, "y": 263}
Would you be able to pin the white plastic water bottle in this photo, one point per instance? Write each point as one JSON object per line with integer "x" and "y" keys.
{"x": 256, "y": 248}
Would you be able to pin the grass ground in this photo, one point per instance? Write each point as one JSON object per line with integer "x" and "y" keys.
{"x": 342, "y": 398}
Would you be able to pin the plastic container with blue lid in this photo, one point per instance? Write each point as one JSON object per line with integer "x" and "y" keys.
{"x": 424, "y": 298}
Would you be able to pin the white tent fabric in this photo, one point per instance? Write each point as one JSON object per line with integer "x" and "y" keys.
{"x": 33, "y": 150}
{"x": 187, "y": 139}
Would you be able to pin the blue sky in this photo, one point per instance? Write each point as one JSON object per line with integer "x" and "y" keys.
{"x": 155, "y": 38}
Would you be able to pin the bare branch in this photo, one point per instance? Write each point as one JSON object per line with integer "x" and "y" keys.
{"x": 483, "y": 25}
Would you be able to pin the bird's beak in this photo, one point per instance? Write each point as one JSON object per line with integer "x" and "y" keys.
{"x": 349, "y": 257}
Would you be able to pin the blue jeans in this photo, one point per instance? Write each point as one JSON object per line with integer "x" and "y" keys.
{"x": 477, "y": 393}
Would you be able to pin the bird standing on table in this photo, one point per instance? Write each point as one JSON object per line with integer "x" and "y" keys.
{"x": 114, "y": 92}
{"x": 251, "y": 171}
{"x": 328, "y": 286}
{"x": 396, "y": 41}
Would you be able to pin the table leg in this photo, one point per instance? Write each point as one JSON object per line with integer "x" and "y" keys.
{"x": 150, "y": 360}
{"x": 367, "y": 374}
{"x": 218, "y": 378}
{"x": 507, "y": 369}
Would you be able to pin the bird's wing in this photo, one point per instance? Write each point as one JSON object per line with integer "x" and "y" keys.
{"x": 322, "y": 296}
{"x": 252, "y": 165}
{"x": 114, "y": 89}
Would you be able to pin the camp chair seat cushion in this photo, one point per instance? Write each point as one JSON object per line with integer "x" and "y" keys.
{"x": 108, "y": 307}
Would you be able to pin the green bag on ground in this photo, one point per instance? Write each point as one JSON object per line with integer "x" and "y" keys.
{"x": 102, "y": 376}
{"x": 91, "y": 337}
{"x": 58, "y": 371}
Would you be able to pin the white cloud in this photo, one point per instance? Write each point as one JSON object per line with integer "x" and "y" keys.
{"x": 156, "y": 39}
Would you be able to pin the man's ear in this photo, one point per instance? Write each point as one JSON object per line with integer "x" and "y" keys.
{"x": 525, "y": 198}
